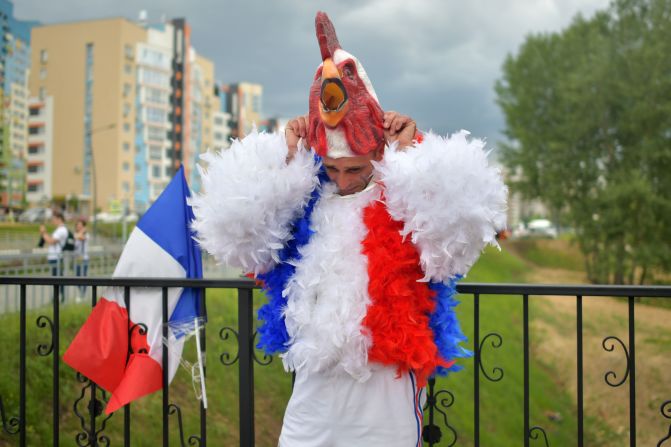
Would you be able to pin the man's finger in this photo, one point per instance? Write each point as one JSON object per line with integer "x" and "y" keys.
{"x": 302, "y": 128}
{"x": 388, "y": 118}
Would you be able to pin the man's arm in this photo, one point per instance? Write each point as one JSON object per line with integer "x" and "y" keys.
{"x": 451, "y": 201}
{"x": 251, "y": 195}
{"x": 48, "y": 238}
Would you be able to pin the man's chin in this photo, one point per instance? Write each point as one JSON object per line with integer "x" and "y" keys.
{"x": 348, "y": 192}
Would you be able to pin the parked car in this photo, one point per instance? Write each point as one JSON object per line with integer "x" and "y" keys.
{"x": 35, "y": 215}
{"x": 108, "y": 217}
{"x": 541, "y": 228}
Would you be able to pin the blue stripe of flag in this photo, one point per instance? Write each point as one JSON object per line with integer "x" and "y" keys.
{"x": 167, "y": 222}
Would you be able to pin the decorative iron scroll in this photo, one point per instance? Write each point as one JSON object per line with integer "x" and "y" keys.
{"x": 496, "y": 343}
{"x": 193, "y": 439}
{"x": 536, "y": 431}
{"x": 266, "y": 359}
{"x": 10, "y": 426}
{"x": 226, "y": 358}
{"x": 142, "y": 330}
{"x": 45, "y": 349}
{"x": 438, "y": 401}
{"x": 90, "y": 436}
{"x": 610, "y": 376}
{"x": 665, "y": 409}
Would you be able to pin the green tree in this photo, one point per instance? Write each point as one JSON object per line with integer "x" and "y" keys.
{"x": 588, "y": 122}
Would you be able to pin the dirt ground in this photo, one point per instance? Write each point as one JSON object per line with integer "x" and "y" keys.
{"x": 606, "y": 408}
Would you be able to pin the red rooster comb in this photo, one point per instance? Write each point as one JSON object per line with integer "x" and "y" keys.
{"x": 326, "y": 35}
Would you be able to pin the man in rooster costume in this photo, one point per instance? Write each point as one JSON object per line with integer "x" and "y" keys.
{"x": 358, "y": 242}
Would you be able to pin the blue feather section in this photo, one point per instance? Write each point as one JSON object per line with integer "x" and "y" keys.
{"x": 273, "y": 336}
{"x": 445, "y": 325}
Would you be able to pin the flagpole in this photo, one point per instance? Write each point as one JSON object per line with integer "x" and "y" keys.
{"x": 200, "y": 363}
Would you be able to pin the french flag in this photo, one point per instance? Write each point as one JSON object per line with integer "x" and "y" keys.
{"x": 161, "y": 245}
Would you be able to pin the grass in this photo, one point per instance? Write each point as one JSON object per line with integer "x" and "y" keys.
{"x": 502, "y": 402}
{"x": 551, "y": 253}
{"x": 273, "y": 387}
{"x": 111, "y": 230}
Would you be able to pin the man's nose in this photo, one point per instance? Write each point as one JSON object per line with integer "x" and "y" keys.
{"x": 341, "y": 181}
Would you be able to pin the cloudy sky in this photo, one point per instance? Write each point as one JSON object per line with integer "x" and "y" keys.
{"x": 436, "y": 60}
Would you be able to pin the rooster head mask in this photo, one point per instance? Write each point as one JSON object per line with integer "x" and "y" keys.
{"x": 345, "y": 118}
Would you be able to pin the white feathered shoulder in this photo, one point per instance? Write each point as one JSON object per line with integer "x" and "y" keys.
{"x": 451, "y": 201}
{"x": 251, "y": 196}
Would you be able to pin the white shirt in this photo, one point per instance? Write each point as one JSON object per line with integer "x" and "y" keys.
{"x": 55, "y": 250}
{"x": 82, "y": 247}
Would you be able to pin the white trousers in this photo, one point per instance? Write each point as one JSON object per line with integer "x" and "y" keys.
{"x": 327, "y": 410}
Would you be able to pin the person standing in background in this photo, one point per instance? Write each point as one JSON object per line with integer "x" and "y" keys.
{"x": 55, "y": 243}
{"x": 81, "y": 252}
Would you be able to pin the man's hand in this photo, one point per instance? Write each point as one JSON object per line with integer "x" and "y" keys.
{"x": 296, "y": 129}
{"x": 400, "y": 128}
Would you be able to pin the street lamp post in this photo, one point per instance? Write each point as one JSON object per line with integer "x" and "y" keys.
{"x": 94, "y": 182}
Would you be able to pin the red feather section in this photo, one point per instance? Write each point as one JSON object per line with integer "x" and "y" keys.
{"x": 398, "y": 316}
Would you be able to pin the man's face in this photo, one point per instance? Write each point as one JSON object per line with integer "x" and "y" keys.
{"x": 351, "y": 174}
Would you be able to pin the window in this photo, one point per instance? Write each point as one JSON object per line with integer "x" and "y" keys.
{"x": 34, "y": 187}
{"x": 218, "y": 136}
{"x": 125, "y": 186}
{"x": 219, "y": 120}
{"x": 155, "y": 152}
{"x": 156, "y": 171}
{"x": 156, "y": 115}
{"x": 126, "y": 110}
{"x": 44, "y": 56}
{"x": 34, "y": 169}
{"x": 42, "y": 93}
{"x": 156, "y": 95}
{"x": 43, "y": 73}
{"x": 128, "y": 51}
{"x": 126, "y": 127}
{"x": 126, "y": 147}
{"x": 155, "y": 77}
{"x": 34, "y": 111}
{"x": 168, "y": 171}
{"x": 36, "y": 130}
{"x": 35, "y": 150}
{"x": 128, "y": 69}
{"x": 155, "y": 133}
{"x": 125, "y": 166}
{"x": 256, "y": 103}
{"x": 126, "y": 89}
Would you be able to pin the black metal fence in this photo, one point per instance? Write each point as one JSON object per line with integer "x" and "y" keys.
{"x": 438, "y": 401}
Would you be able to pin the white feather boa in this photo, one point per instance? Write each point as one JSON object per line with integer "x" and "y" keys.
{"x": 451, "y": 201}
{"x": 251, "y": 196}
{"x": 328, "y": 296}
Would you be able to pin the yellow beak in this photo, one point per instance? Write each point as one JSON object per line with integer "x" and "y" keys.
{"x": 334, "y": 100}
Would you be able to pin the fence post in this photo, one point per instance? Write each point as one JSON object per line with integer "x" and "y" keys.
{"x": 246, "y": 367}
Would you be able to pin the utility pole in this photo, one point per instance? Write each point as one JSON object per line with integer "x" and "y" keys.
{"x": 94, "y": 181}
